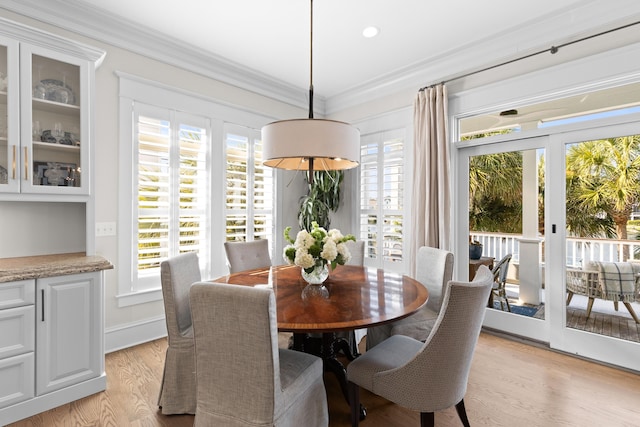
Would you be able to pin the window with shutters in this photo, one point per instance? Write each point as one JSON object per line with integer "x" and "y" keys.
{"x": 186, "y": 177}
{"x": 382, "y": 198}
{"x": 172, "y": 189}
{"x": 249, "y": 189}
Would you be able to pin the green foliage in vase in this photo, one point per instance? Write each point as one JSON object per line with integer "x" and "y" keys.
{"x": 323, "y": 197}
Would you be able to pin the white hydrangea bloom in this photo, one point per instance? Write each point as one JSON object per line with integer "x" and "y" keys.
{"x": 304, "y": 259}
{"x": 335, "y": 234}
{"x": 304, "y": 240}
{"x": 329, "y": 250}
{"x": 344, "y": 251}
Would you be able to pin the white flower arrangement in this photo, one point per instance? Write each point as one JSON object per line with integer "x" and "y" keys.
{"x": 317, "y": 248}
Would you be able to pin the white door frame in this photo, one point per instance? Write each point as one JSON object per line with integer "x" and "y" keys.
{"x": 552, "y": 329}
{"x": 529, "y": 327}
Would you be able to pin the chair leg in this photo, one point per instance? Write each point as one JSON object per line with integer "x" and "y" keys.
{"x": 589, "y": 306}
{"x": 631, "y": 312}
{"x": 506, "y": 300}
{"x": 462, "y": 413}
{"x": 427, "y": 419}
{"x": 569, "y": 296}
{"x": 354, "y": 402}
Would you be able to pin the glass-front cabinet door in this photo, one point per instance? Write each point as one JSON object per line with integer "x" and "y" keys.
{"x": 9, "y": 118}
{"x": 54, "y": 131}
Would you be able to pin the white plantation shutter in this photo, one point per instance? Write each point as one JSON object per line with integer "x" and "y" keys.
{"x": 172, "y": 189}
{"x": 249, "y": 190}
{"x": 382, "y": 198}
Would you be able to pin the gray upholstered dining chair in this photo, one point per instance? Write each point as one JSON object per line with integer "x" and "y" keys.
{"x": 249, "y": 381}
{"x": 430, "y": 376}
{"x": 178, "y": 388}
{"x": 434, "y": 270}
{"x": 243, "y": 256}
{"x": 356, "y": 249}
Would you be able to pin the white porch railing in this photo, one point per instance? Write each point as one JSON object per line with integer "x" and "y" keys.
{"x": 579, "y": 250}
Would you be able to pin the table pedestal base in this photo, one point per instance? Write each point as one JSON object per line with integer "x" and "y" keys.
{"x": 327, "y": 346}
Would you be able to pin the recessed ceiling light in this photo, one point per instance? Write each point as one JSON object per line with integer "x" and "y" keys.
{"x": 370, "y": 32}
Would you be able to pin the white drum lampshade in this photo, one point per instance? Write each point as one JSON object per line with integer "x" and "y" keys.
{"x": 291, "y": 144}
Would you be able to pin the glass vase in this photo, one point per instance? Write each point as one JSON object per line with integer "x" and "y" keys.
{"x": 317, "y": 276}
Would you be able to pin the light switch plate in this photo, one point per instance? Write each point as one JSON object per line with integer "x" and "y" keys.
{"x": 105, "y": 229}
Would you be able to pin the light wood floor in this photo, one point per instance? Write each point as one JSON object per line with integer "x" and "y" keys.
{"x": 511, "y": 384}
{"x": 611, "y": 325}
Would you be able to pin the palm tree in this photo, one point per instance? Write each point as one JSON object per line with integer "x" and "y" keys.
{"x": 495, "y": 192}
{"x": 605, "y": 177}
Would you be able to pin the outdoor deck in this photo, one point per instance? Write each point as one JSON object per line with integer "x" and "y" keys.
{"x": 618, "y": 325}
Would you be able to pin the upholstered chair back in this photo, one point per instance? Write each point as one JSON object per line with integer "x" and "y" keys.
{"x": 243, "y": 378}
{"x": 434, "y": 269}
{"x": 243, "y": 256}
{"x": 357, "y": 252}
{"x": 178, "y": 387}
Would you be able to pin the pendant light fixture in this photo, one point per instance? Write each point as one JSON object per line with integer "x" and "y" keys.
{"x": 311, "y": 144}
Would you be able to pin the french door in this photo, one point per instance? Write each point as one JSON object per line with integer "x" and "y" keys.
{"x": 534, "y": 214}
{"x": 607, "y": 334}
{"x": 500, "y": 192}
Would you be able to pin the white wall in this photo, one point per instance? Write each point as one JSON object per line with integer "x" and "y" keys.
{"x": 125, "y": 324}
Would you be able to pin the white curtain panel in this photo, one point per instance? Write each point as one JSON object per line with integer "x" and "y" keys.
{"x": 430, "y": 207}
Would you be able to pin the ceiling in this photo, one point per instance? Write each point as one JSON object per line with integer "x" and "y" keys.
{"x": 272, "y": 37}
{"x": 264, "y": 45}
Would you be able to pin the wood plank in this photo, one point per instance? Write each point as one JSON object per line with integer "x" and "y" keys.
{"x": 511, "y": 383}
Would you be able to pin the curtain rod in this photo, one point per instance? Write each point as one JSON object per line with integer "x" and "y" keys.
{"x": 552, "y": 50}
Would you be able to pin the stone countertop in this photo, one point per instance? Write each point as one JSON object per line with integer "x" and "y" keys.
{"x": 34, "y": 267}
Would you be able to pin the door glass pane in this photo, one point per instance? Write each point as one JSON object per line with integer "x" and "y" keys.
{"x": 603, "y": 232}
{"x": 506, "y": 228}
{"x": 56, "y": 123}
{"x": 4, "y": 147}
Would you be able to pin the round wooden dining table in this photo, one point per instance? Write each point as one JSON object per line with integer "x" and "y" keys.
{"x": 356, "y": 297}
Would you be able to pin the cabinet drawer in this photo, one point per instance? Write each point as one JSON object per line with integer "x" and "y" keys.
{"x": 17, "y": 331}
{"x": 16, "y": 294}
{"x": 16, "y": 379}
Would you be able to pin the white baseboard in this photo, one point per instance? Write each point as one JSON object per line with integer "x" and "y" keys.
{"x": 135, "y": 333}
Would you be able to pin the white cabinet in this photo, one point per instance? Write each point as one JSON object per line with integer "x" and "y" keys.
{"x": 17, "y": 342}
{"x": 54, "y": 125}
{"x": 9, "y": 116}
{"x": 46, "y": 85}
{"x": 16, "y": 379}
{"x": 69, "y": 331}
{"x": 51, "y": 343}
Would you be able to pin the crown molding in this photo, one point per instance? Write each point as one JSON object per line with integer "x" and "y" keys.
{"x": 50, "y": 41}
{"x": 94, "y": 23}
{"x": 588, "y": 18}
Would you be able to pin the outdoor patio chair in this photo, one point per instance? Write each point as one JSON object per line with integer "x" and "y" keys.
{"x": 499, "y": 282}
{"x": 611, "y": 281}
